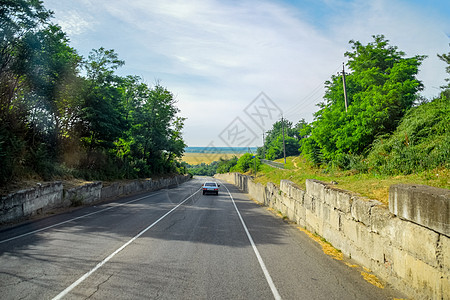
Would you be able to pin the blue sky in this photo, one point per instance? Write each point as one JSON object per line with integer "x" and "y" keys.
{"x": 217, "y": 57}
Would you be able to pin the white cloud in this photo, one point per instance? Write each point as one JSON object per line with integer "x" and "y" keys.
{"x": 413, "y": 31}
{"x": 223, "y": 54}
{"x": 73, "y": 23}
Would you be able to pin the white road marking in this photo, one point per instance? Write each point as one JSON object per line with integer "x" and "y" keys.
{"x": 272, "y": 286}
{"x": 82, "y": 278}
{"x": 77, "y": 218}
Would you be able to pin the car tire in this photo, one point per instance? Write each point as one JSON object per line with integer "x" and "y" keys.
{"x": 203, "y": 192}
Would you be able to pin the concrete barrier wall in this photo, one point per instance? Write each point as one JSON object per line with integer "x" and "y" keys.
{"x": 29, "y": 202}
{"x": 37, "y": 200}
{"x": 403, "y": 246}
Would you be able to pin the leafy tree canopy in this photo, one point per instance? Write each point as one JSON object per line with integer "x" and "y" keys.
{"x": 273, "y": 144}
{"x": 54, "y": 121}
{"x": 381, "y": 87}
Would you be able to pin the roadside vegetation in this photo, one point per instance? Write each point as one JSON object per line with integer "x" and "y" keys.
{"x": 389, "y": 133}
{"x": 388, "y": 128}
{"x": 370, "y": 185}
{"x": 64, "y": 115}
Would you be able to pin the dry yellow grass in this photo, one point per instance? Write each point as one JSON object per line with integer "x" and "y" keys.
{"x": 327, "y": 248}
{"x": 207, "y": 158}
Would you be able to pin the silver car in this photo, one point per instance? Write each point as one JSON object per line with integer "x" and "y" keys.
{"x": 210, "y": 187}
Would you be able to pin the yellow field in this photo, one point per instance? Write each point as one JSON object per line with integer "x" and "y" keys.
{"x": 207, "y": 158}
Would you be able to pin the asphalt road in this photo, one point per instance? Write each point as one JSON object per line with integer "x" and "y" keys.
{"x": 172, "y": 244}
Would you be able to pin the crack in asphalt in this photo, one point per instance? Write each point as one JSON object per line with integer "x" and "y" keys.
{"x": 174, "y": 222}
{"x": 98, "y": 286}
{"x": 19, "y": 279}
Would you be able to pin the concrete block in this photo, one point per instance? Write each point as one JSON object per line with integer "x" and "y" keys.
{"x": 308, "y": 202}
{"x": 424, "y": 280}
{"x": 361, "y": 209}
{"x": 41, "y": 198}
{"x": 84, "y": 194}
{"x": 416, "y": 240}
{"x": 380, "y": 217}
{"x": 291, "y": 189}
{"x": 13, "y": 212}
{"x": 290, "y": 207}
{"x": 369, "y": 245}
{"x": 343, "y": 201}
{"x": 380, "y": 246}
{"x": 330, "y": 197}
{"x": 257, "y": 191}
{"x": 297, "y": 193}
{"x": 335, "y": 219}
{"x": 325, "y": 212}
{"x": 285, "y": 186}
{"x": 313, "y": 223}
{"x": 444, "y": 254}
{"x": 271, "y": 188}
{"x": 424, "y": 205}
{"x": 300, "y": 215}
{"x": 315, "y": 188}
{"x": 336, "y": 238}
{"x": 444, "y": 292}
{"x": 349, "y": 228}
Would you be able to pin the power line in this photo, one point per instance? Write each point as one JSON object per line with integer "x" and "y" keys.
{"x": 308, "y": 99}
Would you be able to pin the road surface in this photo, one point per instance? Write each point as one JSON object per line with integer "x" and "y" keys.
{"x": 172, "y": 244}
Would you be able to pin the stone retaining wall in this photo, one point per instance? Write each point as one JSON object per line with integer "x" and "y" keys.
{"x": 407, "y": 245}
{"x": 33, "y": 201}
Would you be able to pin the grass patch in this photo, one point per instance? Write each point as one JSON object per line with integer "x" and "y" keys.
{"x": 370, "y": 185}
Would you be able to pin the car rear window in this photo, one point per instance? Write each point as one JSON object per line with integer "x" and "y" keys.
{"x": 210, "y": 184}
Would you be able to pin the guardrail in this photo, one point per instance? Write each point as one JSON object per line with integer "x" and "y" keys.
{"x": 272, "y": 163}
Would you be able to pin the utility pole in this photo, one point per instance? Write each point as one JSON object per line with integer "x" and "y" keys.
{"x": 264, "y": 146}
{"x": 284, "y": 145}
{"x": 345, "y": 89}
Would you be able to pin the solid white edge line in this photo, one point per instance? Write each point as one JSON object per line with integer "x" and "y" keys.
{"x": 77, "y": 218}
{"x": 269, "y": 280}
{"x": 82, "y": 278}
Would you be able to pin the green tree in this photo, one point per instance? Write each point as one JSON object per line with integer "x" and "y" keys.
{"x": 36, "y": 63}
{"x": 275, "y": 149}
{"x": 381, "y": 88}
{"x": 246, "y": 162}
{"x": 102, "y": 113}
{"x": 446, "y": 58}
{"x": 273, "y": 144}
{"x": 225, "y": 165}
{"x": 104, "y": 125}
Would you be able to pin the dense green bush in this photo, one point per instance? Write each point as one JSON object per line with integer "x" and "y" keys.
{"x": 421, "y": 141}
{"x": 246, "y": 162}
{"x": 203, "y": 169}
{"x": 225, "y": 165}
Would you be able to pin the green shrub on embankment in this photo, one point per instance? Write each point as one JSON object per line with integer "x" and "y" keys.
{"x": 421, "y": 142}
